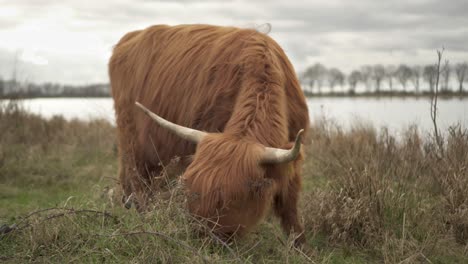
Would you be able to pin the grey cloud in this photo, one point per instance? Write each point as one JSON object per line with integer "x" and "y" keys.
{"x": 305, "y": 29}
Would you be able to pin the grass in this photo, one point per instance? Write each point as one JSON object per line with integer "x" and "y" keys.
{"x": 368, "y": 197}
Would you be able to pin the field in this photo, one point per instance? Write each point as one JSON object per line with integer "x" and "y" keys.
{"x": 368, "y": 197}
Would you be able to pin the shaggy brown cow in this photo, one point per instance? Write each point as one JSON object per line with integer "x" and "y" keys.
{"x": 237, "y": 86}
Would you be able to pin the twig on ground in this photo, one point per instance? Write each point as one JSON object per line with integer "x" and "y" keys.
{"x": 24, "y": 224}
{"x": 251, "y": 248}
{"x": 303, "y": 254}
{"x": 428, "y": 260}
{"x": 129, "y": 201}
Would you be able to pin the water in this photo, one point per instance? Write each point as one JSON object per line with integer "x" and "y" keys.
{"x": 81, "y": 108}
{"x": 394, "y": 113}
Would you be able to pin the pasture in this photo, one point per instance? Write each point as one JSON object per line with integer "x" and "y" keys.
{"x": 368, "y": 197}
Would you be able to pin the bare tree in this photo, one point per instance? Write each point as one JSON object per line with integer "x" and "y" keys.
{"x": 343, "y": 81}
{"x": 438, "y": 69}
{"x": 446, "y": 77}
{"x": 378, "y": 73}
{"x": 14, "y": 74}
{"x": 416, "y": 72}
{"x": 335, "y": 76}
{"x": 2, "y": 85}
{"x": 403, "y": 74}
{"x": 353, "y": 79}
{"x": 306, "y": 81}
{"x": 315, "y": 75}
{"x": 461, "y": 70}
{"x": 429, "y": 74}
{"x": 366, "y": 74}
{"x": 390, "y": 71}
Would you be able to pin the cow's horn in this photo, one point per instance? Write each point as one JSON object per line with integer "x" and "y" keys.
{"x": 275, "y": 155}
{"x": 189, "y": 134}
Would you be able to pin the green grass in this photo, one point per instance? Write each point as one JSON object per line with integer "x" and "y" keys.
{"x": 361, "y": 189}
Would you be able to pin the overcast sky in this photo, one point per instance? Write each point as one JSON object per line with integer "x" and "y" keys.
{"x": 71, "y": 41}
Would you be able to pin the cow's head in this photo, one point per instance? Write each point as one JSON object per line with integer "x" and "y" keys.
{"x": 228, "y": 171}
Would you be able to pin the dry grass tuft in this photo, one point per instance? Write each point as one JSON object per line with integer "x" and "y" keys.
{"x": 392, "y": 196}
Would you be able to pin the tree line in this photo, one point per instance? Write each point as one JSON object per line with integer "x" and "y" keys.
{"x": 15, "y": 89}
{"x": 374, "y": 78}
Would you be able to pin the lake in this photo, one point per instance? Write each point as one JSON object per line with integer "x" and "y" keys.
{"x": 395, "y": 113}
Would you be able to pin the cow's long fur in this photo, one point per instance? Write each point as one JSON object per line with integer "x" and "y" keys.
{"x": 236, "y": 84}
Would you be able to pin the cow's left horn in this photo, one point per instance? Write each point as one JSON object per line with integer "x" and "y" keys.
{"x": 189, "y": 134}
{"x": 275, "y": 155}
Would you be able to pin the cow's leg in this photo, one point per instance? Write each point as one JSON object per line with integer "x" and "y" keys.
{"x": 124, "y": 173}
{"x": 125, "y": 144}
{"x": 132, "y": 174}
{"x": 286, "y": 204}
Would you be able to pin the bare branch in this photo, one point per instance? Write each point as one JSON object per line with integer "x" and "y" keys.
{"x": 67, "y": 211}
{"x": 434, "y": 98}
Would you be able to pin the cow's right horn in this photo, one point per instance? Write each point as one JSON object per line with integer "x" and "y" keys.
{"x": 276, "y": 155}
{"x": 189, "y": 134}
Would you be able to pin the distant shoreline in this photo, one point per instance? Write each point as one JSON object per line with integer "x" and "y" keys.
{"x": 388, "y": 95}
{"x": 52, "y": 96}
